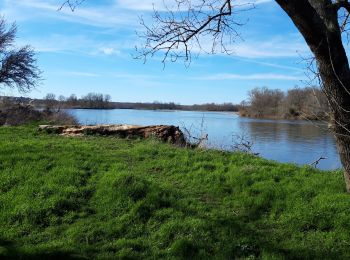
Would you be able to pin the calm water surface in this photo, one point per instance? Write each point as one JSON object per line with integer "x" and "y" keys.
{"x": 297, "y": 142}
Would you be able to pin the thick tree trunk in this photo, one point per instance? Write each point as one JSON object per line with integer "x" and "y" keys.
{"x": 336, "y": 82}
{"x": 335, "y": 74}
{"x": 317, "y": 21}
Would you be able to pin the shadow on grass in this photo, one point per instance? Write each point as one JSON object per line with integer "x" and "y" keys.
{"x": 8, "y": 250}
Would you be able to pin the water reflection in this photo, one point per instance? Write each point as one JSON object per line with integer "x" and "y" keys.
{"x": 290, "y": 141}
{"x": 282, "y": 140}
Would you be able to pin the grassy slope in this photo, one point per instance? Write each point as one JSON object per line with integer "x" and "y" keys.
{"x": 102, "y": 197}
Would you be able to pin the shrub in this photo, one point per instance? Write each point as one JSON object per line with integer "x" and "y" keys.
{"x": 19, "y": 114}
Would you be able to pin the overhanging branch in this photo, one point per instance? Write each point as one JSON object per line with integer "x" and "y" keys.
{"x": 177, "y": 33}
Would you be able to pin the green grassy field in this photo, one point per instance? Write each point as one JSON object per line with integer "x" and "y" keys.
{"x": 108, "y": 198}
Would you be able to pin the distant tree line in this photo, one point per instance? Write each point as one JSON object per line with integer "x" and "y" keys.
{"x": 101, "y": 101}
{"x": 298, "y": 103}
{"x": 91, "y": 100}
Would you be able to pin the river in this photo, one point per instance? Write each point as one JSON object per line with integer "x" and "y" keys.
{"x": 299, "y": 142}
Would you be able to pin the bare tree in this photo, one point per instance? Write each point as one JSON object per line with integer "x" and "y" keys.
{"x": 50, "y": 101}
{"x": 17, "y": 66}
{"x": 308, "y": 103}
{"x": 265, "y": 102}
{"x": 322, "y": 23}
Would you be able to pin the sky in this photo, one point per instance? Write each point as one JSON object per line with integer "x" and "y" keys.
{"x": 93, "y": 50}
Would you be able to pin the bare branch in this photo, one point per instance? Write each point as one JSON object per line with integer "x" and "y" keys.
{"x": 315, "y": 163}
{"x": 178, "y": 33}
{"x": 72, "y": 4}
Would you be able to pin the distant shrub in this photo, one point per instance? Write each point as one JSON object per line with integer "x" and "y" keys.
{"x": 61, "y": 118}
{"x": 15, "y": 114}
{"x": 298, "y": 103}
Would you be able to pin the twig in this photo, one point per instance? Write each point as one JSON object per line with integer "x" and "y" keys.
{"x": 315, "y": 163}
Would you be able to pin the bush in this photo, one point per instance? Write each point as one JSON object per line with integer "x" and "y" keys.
{"x": 20, "y": 114}
{"x": 298, "y": 103}
{"x": 60, "y": 118}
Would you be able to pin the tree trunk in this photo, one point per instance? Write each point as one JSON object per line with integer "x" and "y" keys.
{"x": 344, "y": 152}
{"x": 317, "y": 21}
{"x": 335, "y": 75}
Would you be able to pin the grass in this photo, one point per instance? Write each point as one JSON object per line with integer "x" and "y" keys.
{"x": 109, "y": 198}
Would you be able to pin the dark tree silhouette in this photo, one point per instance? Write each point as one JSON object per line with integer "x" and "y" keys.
{"x": 17, "y": 66}
{"x": 322, "y": 23}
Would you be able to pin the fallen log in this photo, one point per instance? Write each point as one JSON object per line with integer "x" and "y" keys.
{"x": 166, "y": 133}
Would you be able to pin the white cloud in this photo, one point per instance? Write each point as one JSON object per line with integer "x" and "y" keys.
{"x": 116, "y": 16}
{"x": 214, "y": 77}
{"x": 273, "y": 48}
{"x": 288, "y": 46}
{"x": 136, "y": 76}
{"x": 141, "y": 5}
{"x": 109, "y": 50}
{"x": 60, "y": 43}
{"x": 78, "y": 44}
{"x": 261, "y": 76}
{"x": 100, "y": 16}
{"x": 269, "y": 64}
{"x": 80, "y": 74}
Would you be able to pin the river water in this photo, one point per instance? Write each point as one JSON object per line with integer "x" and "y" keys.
{"x": 299, "y": 142}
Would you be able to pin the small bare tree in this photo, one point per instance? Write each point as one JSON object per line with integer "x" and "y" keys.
{"x": 17, "y": 66}
{"x": 242, "y": 143}
{"x": 50, "y": 102}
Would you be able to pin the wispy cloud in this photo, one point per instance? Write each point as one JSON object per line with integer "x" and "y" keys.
{"x": 213, "y": 77}
{"x": 79, "y": 74}
{"x": 259, "y": 48}
{"x": 78, "y": 44}
{"x": 99, "y": 16}
{"x": 136, "y": 76}
{"x": 272, "y": 48}
{"x": 57, "y": 43}
{"x": 269, "y": 64}
{"x": 109, "y": 50}
{"x": 261, "y": 76}
{"x": 120, "y": 14}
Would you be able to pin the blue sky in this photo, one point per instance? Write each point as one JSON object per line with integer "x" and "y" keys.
{"x": 92, "y": 49}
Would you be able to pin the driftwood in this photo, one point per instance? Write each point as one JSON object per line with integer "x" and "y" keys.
{"x": 165, "y": 133}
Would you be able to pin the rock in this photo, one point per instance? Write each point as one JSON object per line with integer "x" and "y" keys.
{"x": 165, "y": 133}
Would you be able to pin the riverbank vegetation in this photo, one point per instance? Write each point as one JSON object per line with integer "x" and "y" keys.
{"x": 299, "y": 103}
{"x": 103, "y": 197}
{"x": 308, "y": 103}
{"x": 12, "y": 114}
{"x": 101, "y": 101}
